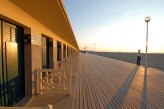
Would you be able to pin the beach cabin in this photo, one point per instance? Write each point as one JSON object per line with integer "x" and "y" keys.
{"x": 33, "y": 34}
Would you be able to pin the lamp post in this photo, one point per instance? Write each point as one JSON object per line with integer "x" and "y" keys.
{"x": 94, "y": 48}
{"x": 147, "y": 19}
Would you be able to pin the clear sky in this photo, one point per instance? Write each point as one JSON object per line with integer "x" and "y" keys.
{"x": 117, "y": 25}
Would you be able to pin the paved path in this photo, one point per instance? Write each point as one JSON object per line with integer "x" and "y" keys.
{"x": 104, "y": 83}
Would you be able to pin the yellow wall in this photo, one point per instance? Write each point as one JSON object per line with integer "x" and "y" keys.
{"x": 11, "y": 13}
{"x": 15, "y": 15}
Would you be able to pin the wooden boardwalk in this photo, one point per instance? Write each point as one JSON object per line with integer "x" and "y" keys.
{"x": 104, "y": 83}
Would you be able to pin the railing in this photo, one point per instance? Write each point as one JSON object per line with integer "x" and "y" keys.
{"x": 54, "y": 80}
{"x": 74, "y": 61}
{"x": 64, "y": 64}
{"x": 58, "y": 80}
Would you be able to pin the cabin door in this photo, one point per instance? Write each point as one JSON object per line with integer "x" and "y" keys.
{"x": 11, "y": 64}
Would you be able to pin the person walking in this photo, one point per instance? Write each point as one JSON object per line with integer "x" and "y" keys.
{"x": 139, "y": 57}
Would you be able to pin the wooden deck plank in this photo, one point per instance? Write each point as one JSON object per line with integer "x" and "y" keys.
{"x": 105, "y": 94}
{"x": 89, "y": 93}
{"x": 104, "y": 90}
{"x": 94, "y": 97}
{"x": 105, "y": 83}
{"x": 109, "y": 82}
{"x": 77, "y": 105}
{"x": 87, "y": 102}
{"x": 75, "y": 102}
{"x": 81, "y": 92}
{"x": 116, "y": 100}
{"x": 96, "y": 90}
{"x": 98, "y": 93}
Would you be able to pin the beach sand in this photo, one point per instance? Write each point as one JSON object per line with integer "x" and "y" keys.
{"x": 154, "y": 60}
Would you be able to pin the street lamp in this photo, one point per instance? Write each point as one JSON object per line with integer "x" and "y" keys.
{"x": 94, "y": 48}
{"x": 147, "y": 19}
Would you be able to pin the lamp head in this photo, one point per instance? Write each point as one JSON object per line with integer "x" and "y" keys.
{"x": 147, "y": 19}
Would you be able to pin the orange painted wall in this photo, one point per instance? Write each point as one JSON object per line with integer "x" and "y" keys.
{"x": 11, "y": 13}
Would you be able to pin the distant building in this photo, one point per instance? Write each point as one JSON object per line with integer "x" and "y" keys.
{"x": 33, "y": 34}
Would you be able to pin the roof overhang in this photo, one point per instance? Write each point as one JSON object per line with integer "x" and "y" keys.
{"x": 52, "y": 14}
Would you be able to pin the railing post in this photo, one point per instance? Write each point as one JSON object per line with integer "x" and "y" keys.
{"x": 47, "y": 80}
{"x": 39, "y": 81}
{"x": 41, "y": 84}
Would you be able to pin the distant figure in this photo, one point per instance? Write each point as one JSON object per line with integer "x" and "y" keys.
{"x": 138, "y": 57}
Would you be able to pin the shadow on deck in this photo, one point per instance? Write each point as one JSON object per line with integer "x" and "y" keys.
{"x": 122, "y": 91}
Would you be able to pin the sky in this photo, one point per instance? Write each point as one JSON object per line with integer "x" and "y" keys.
{"x": 117, "y": 25}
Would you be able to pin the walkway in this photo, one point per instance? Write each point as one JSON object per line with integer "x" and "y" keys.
{"x": 104, "y": 83}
